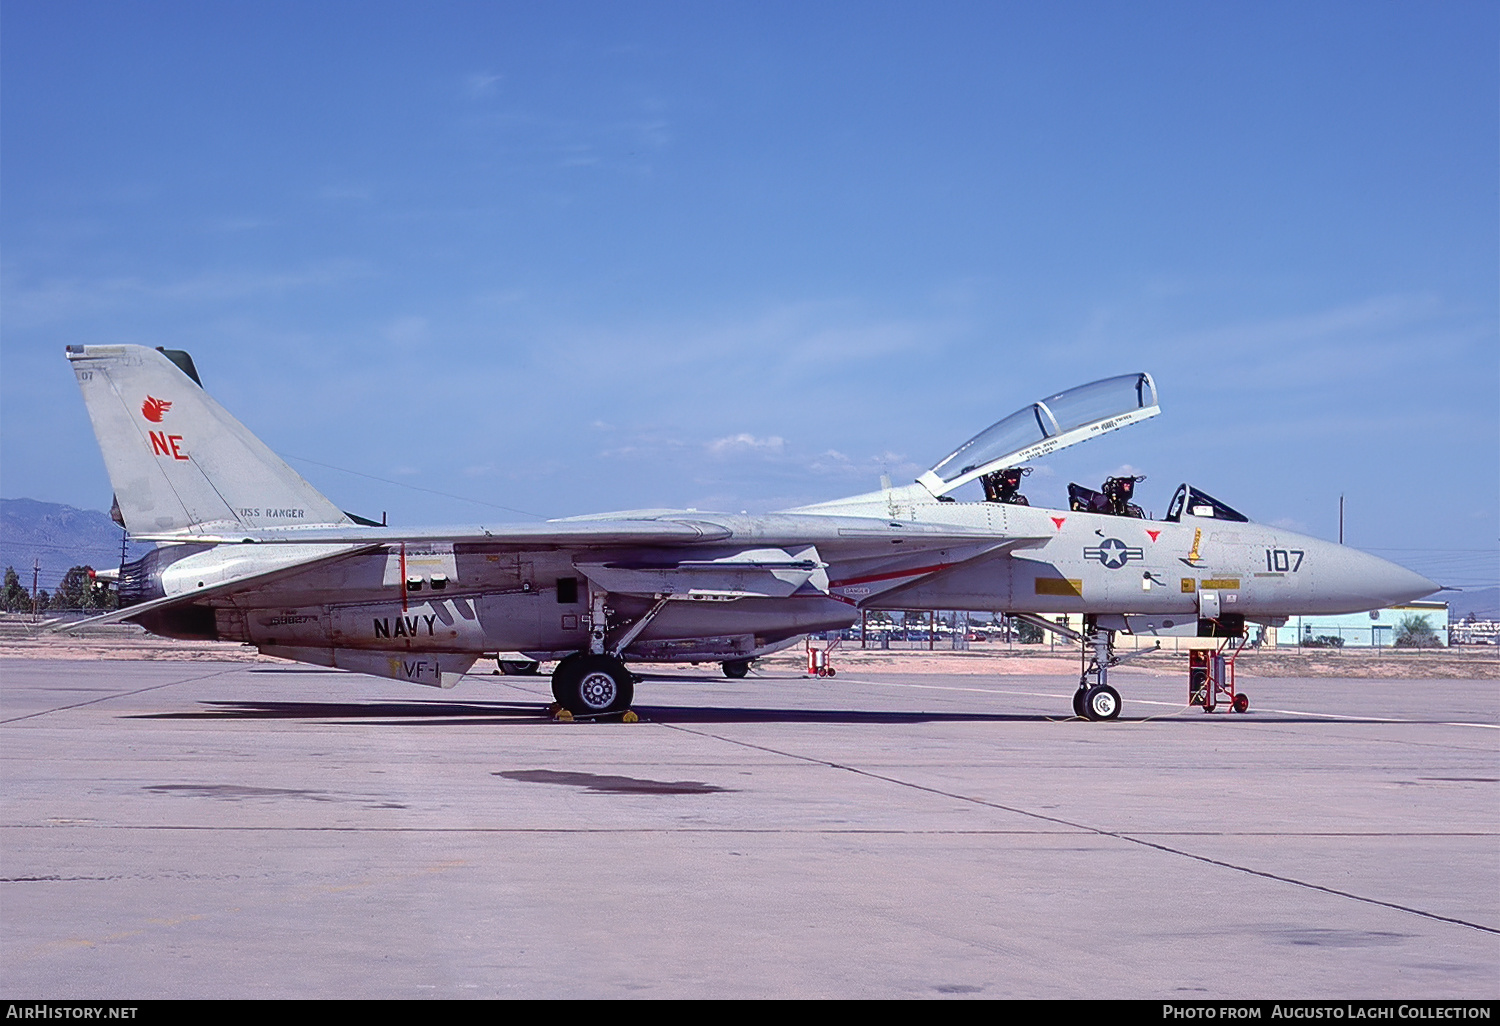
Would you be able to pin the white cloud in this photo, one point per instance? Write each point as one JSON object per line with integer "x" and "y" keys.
{"x": 481, "y": 84}
{"x": 745, "y": 442}
{"x": 833, "y": 462}
{"x": 69, "y": 299}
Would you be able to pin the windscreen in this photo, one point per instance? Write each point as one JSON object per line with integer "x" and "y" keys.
{"x": 1189, "y": 501}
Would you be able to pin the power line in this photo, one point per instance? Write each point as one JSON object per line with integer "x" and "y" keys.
{"x": 415, "y": 488}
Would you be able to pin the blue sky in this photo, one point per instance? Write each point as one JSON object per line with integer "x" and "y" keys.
{"x": 562, "y": 258}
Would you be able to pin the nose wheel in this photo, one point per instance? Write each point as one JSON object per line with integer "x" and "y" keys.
{"x": 1101, "y": 702}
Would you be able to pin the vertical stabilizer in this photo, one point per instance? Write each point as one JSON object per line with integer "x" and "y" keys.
{"x": 178, "y": 461}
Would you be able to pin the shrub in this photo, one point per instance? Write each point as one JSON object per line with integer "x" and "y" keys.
{"x": 1415, "y": 632}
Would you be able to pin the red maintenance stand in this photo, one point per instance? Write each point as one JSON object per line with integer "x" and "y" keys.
{"x": 817, "y": 657}
{"x": 1211, "y": 677}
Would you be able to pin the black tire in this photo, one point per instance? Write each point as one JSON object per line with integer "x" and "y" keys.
{"x": 1102, "y": 703}
{"x": 589, "y": 685}
{"x": 560, "y": 673}
{"x": 1078, "y": 708}
{"x": 1241, "y": 703}
{"x": 518, "y": 667}
{"x": 736, "y": 668}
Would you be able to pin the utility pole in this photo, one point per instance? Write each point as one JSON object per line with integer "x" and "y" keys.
{"x": 1341, "y": 520}
{"x": 36, "y": 571}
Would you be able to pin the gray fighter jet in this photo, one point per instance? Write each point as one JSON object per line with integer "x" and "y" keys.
{"x": 249, "y": 551}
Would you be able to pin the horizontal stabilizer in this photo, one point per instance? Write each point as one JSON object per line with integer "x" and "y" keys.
{"x": 282, "y": 569}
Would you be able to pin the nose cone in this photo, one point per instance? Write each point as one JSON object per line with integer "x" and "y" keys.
{"x": 1383, "y": 583}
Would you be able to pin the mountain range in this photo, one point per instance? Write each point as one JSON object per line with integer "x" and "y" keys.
{"x": 57, "y": 538}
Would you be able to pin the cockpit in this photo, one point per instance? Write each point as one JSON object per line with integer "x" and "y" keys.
{"x": 996, "y": 456}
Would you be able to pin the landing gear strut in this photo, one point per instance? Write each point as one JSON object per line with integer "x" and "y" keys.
{"x": 1095, "y": 699}
{"x": 597, "y": 681}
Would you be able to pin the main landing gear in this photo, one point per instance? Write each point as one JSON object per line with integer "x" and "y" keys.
{"x": 590, "y": 685}
{"x": 596, "y": 681}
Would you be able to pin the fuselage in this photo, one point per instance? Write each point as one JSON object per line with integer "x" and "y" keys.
{"x": 1089, "y": 562}
{"x": 476, "y": 597}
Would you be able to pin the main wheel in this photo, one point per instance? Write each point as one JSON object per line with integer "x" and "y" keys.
{"x": 736, "y": 668}
{"x": 562, "y": 673}
{"x": 518, "y": 667}
{"x": 1078, "y": 706}
{"x": 592, "y": 684}
{"x": 1102, "y": 703}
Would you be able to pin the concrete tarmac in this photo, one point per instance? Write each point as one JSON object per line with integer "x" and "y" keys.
{"x": 174, "y": 830}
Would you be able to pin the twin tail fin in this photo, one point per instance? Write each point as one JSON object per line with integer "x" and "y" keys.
{"x": 178, "y": 461}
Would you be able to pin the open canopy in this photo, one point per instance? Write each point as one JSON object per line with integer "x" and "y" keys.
{"x": 1046, "y": 426}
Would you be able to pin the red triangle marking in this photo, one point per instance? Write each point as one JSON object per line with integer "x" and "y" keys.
{"x": 1153, "y": 534}
{"x": 1059, "y": 522}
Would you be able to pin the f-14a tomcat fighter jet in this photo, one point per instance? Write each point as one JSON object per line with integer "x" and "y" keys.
{"x": 249, "y": 551}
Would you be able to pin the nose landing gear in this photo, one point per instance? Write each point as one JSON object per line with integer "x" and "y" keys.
{"x": 1095, "y": 699}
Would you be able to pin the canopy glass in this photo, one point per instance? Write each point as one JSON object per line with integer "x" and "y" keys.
{"x": 1056, "y": 422}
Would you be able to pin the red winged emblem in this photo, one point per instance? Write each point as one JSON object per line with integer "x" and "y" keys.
{"x": 153, "y": 408}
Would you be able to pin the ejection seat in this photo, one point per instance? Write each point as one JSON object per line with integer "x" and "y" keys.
{"x": 1113, "y": 500}
{"x": 1005, "y": 486}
